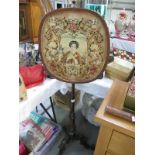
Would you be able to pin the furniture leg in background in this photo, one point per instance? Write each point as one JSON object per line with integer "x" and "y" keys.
{"x": 36, "y": 109}
{"x": 46, "y": 111}
{"x": 53, "y": 110}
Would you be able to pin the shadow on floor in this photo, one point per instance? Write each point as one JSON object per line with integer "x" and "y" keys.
{"x": 83, "y": 127}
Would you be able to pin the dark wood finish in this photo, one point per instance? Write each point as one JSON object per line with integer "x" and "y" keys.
{"x": 24, "y": 33}
{"x": 131, "y": 74}
{"x": 33, "y": 11}
{"x": 81, "y": 11}
{"x": 23, "y": 1}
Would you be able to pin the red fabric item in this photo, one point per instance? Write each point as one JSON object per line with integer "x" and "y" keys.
{"x": 23, "y": 150}
{"x": 33, "y": 75}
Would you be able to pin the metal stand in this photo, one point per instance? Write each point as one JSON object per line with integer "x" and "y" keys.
{"x": 72, "y": 134}
{"x": 46, "y": 111}
{"x": 72, "y": 112}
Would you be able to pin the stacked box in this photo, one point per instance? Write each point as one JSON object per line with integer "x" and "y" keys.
{"x": 117, "y": 71}
{"x": 38, "y": 133}
{"x": 45, "y": 149}
{"x": 64, "y": 100}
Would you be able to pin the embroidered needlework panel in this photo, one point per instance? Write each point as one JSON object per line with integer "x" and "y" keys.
{"x": 74, "y": 44}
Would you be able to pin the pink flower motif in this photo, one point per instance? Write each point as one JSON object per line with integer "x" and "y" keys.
{"x": 73, "y": 27}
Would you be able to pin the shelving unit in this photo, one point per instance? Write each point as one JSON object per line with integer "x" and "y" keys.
{"x": 31, "y": 13}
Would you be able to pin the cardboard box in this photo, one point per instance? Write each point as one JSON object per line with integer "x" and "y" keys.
{"x": 119, "y": 69}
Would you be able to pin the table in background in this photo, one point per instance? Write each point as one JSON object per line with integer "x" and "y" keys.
{"x": 122, "y": 44}
{"x": 37, "y": 95}
{"x": 49, "y": 87}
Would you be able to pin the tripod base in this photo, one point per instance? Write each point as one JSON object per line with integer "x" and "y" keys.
{"x": 70, "y": 137}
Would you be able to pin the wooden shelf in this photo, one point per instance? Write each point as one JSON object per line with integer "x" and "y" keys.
{"x": 31, "y": 13}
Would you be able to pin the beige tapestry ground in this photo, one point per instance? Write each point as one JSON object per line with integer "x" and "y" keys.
{"x": 74, "y": 44}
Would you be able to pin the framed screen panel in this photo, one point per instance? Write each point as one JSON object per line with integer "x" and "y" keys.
{"x": 74, "y": 44}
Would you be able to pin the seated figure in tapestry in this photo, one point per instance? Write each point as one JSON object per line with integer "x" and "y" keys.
{"x": 73, "y": 55}
{"x": 74, "y": 47}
